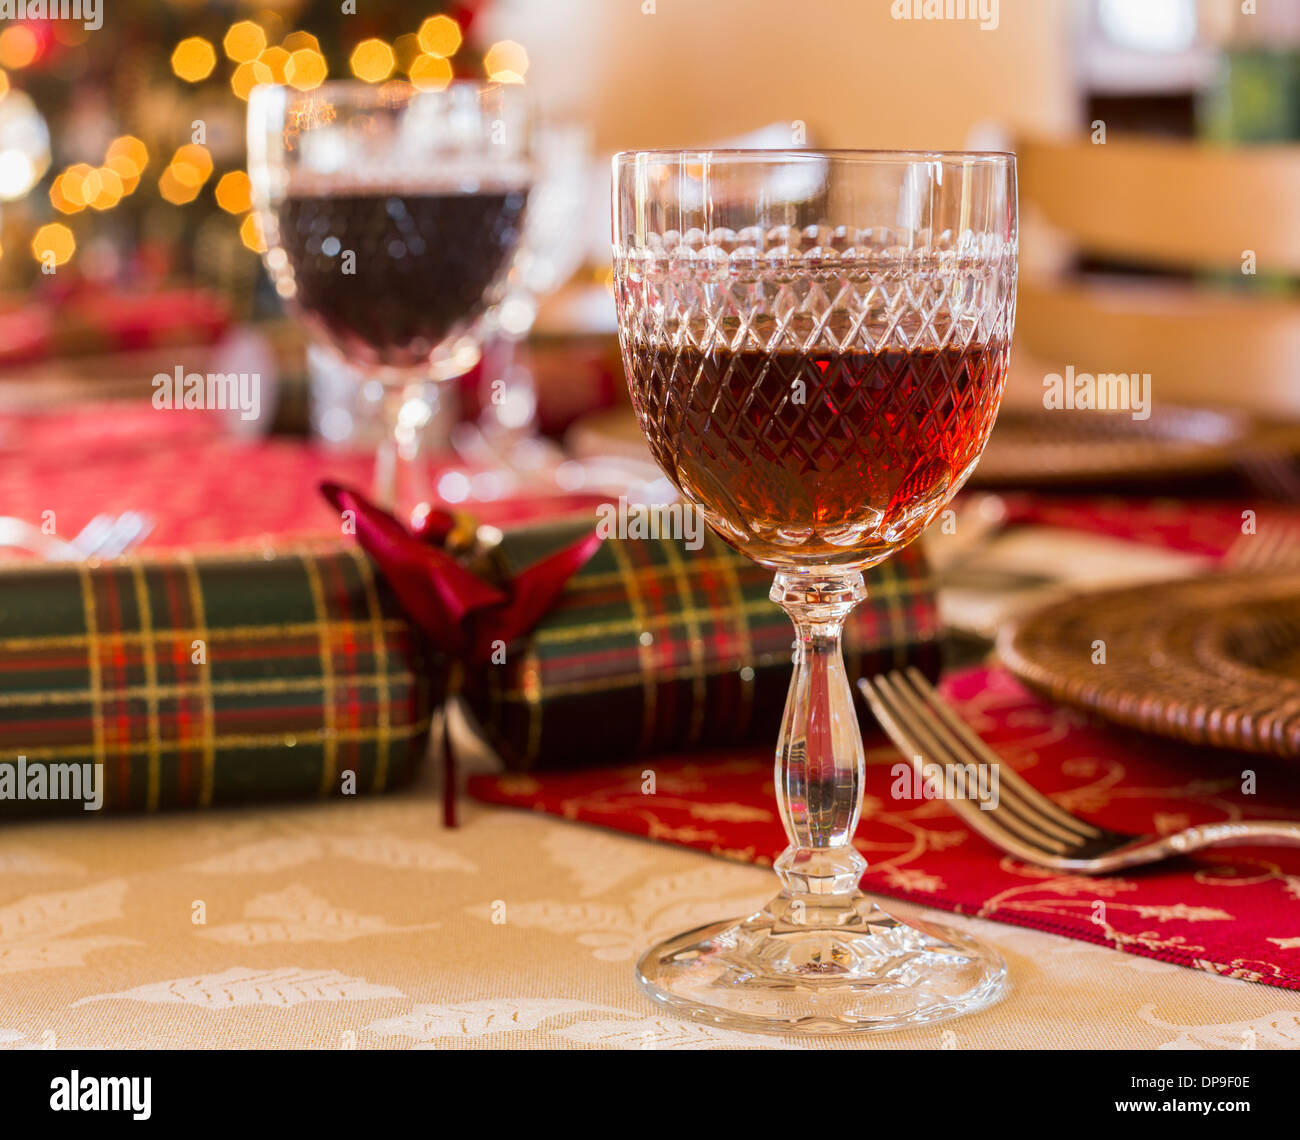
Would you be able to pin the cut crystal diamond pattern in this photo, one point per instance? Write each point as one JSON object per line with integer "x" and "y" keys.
{"x": 819, "y": 393}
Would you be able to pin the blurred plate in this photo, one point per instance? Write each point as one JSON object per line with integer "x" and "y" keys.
{"x": 1042, "y": 446}
{"x": 1213, "y": 660}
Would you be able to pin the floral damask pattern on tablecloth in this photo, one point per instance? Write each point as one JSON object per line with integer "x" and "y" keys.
{"x": 361, "y": 924}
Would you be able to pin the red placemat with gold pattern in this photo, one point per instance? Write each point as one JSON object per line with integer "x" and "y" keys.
{"x": 1192, "y": 526}
{"x": 1234, "y": 911}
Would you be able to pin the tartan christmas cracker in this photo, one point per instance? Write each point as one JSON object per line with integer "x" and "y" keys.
{"x": 570, "y": 651}
{"x": 186, "y": 682}
{"x": 183, "y": 681}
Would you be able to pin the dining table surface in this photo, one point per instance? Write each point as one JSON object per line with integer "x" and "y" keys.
{"x": 363, "y": 922}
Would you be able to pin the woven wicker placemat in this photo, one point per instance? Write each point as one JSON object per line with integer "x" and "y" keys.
{"x": 1212, "y": 660}
{"x": 1096, "y": 446}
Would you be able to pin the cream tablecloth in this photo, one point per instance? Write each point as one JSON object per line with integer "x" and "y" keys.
{"x": 363, "y": 924}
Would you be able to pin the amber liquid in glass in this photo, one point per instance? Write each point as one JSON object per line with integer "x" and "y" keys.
{"x": 830, "y": 458}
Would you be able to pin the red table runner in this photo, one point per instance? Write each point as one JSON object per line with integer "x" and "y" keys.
{"x": 1235, "y": 911}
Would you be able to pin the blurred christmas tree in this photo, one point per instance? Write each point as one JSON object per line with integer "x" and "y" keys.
{"x": 125, "y": 143}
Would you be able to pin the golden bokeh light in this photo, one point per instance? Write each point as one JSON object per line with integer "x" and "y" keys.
{"x": 306, "y": 69}
{"x": 90, "y": 185}
{"x": 301, "y": 41}
{"x": 194, "y": 59}
{"x": 108, "y": 189}
{"x": 127, "y": 157}
{"x": 65, "y": 194}
{"x": 276, "y": 58}
{"x": 234, "y": 192}
{"x": 4, "y": 84}
{"x": 54, "y": 242}
{"x": 440, "y": 35}
{"x": 18, "y": 46}
{"x": 189, "y": 169}
{"x": 126, "y": 170}
{"x": 506, "y": 62}
{"x": 57, "y": 198}
{"x": 192, "y": 154}
{"x": 184, "y": 174}
{"x": 248, "y": 75}
{"x": 174, "y": 189}
{"x": 372, "y": 60}
{"x": 129, "y": 147}
{"x": 244, "y": 41}
{"x": 250, "y": 233}
{"x": 430, "y": 73}
{"x": 72, "y": 186}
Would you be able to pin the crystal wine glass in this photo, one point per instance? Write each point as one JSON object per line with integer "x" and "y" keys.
{"x": 816, "y": 345}
{"x": 391, "y": 217}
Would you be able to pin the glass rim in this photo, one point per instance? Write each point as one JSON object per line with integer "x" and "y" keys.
{"x": 782, "y": 154}
{"x": 379, "y": 90}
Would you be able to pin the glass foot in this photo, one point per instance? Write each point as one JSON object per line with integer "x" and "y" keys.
{"x": 852, "y": 969}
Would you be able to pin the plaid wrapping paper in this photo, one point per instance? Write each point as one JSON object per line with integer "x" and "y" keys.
{"x": 653, "y": 647}
{"x": 215, "y": 680}
{"x": 237, "y": 677}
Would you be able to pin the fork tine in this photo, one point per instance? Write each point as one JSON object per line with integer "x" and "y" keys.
{"x": 958, "y": 745}
{"x": 1273, "y": 474}
{"x": 1272, "y": 547}
{"x": 920, "y": 734}
{"x": 1266, "y": 550}
{"x": 1282, "y": 475}
{"x": 1271, "y": 551}
{"x": 904, "y": 730}
{"x": 1257, "y": 477}
{"x": 125, "y": 529}
{"x": 1287, "y": 554}
{"x": 1237, "y": 555}
{"x": 91, "y": 536}
{"x": 1003, "y": 827}
{"x": 1008, "y": 777}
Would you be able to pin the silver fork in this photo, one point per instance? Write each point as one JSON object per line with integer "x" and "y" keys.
{"x": 105, "y": 536}
{"x": 1017, "y": 818}
{"x": 108, "y": 536}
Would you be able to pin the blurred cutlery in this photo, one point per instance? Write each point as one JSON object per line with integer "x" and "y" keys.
{"x": 1273, "y": 472}
{"x": 105, "y": 536}
{"x": 1272, "y": 547}
{"x": 19, "y": 534}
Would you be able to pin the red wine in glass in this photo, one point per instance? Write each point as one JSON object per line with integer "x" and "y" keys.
{"x": 389, "y": 274}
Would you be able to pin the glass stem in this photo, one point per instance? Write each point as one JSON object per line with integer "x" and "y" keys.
{"x": 819, "y": 760}
{"x": 401, "y": 481}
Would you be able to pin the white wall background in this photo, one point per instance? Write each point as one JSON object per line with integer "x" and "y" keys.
{"x": 701, "y": 70}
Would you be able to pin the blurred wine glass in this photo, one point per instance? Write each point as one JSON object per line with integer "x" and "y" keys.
{"x": 392, "y": 216}
{"x": 551, "y": 252}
